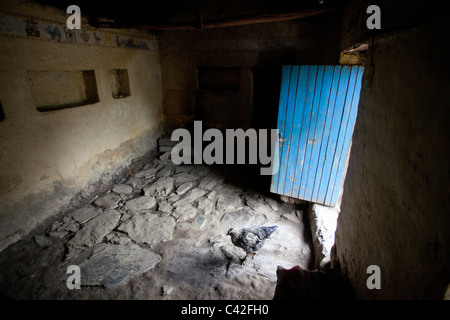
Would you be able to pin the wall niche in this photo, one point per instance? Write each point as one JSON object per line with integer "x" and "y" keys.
{"x": 119, "y": 83}
{"x": 56, "y": 90}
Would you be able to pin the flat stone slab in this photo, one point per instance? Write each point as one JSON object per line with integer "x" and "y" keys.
{"x": 122, "y": 189}
{"x": 60, "y": 229}
{"x": 85, "y": 213}
{"x": 228, "y": 201}
{"x": 112, "y": 265}
{"x": 184, "y": 212}
{"x": 164, "y": 172}
{"x": 257, "y": 203}
{"x": 205, "y": 206}
{"x": 108, "y": 201}
{"x": 95, "y": 229}
{"x": 240, "y": 218}
{"x": 149, "y": 228}
{"x": 165, "y": 206}
{"x": 190, "y": 196}
{"x": 184, "y": 187}
{"x": 136, "y": 183}
{"x": 148, "y": 173}
{"x": 141, "y": 203}
{"x": 162, "y": 187}
{"x": 211, "y": 181}
{"x": 182, "y": 177}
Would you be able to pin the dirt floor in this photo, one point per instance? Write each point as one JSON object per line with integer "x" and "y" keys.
{"x": 161, "y": 234}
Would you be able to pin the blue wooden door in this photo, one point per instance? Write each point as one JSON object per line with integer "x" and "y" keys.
{"x": 316, "y": 116}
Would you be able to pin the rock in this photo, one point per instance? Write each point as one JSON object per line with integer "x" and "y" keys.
{"x": 140, "y": 204}
{"x": 122, "y": 189}
{"x": 149, "y": 228}
{"x": 108, "y": 201}
{"x": 211, "y": 181}
{"x": 163, "y": 162}
{"x": 72, "y": 226}
{"x": 165, "y": 149}
{"x": 86, "y": 213}
{"x": 191, "y": 196}
{"x": 237, "y": 219}
{"x": 165, "y": 206}
{"x": 184, "y": 187}
{"x": 323, "y": 221}
{"x": 257, "y": 203}
{"x": 147, "y": 174}
{"x": 165, "y": 156}
{"x": 293, "y": 216}
{"x": 212, "y": 196}
{"x": 166, "y": 290}
{"x": 162, "y": 187}
{"x": 173, "y": 198}
{"x": 58, "y": 234}
{"x": 183, "y": 168}
{"x": 6, "y": 242}
{"x": 228, "y": 201}
{"x": 132, "y": 195}
{"x": 181, "y": 177}
{"x": 116, "y": 238}
{"x": 165, "y": 172}
{"x": 43, "y": 241}
{"x": 273, "y": 204}
{"x": 205, "y": 206}
{"x": 136, "y": 183}
{"x": 184, "y": 212}
{"x": 184, "y": 225}
{"x": 125, "y": 216}
{"x": 95, "y": 230}
{"x": 112, "y": 265}
{"x": 200, "y": 222}
{"x": 60, "y": 229}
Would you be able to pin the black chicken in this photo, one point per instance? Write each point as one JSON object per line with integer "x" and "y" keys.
{"x": 250, "y": 239}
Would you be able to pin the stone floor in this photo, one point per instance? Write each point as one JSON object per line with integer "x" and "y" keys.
{"x": 161, "y": 234}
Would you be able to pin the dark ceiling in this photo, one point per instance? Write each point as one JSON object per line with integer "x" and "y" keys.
{"x": 201, "y": 14}
{"x": 173, "y": 12}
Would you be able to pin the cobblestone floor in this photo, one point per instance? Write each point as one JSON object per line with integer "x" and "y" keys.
{"x": 161, "y": 234}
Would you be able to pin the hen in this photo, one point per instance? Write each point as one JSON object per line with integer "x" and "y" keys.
{"x": 250, "y": 239}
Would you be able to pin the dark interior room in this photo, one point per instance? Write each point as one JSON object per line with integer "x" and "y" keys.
{"x": 224, "y": 150}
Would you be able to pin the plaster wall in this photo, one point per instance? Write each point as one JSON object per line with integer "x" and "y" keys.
{"x": 396, "y": 201}
{"x": 50, "y": 161}
{"x": 257, "y": 50}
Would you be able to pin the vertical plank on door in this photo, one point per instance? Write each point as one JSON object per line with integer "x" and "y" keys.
{"x": 317, "y": 112}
